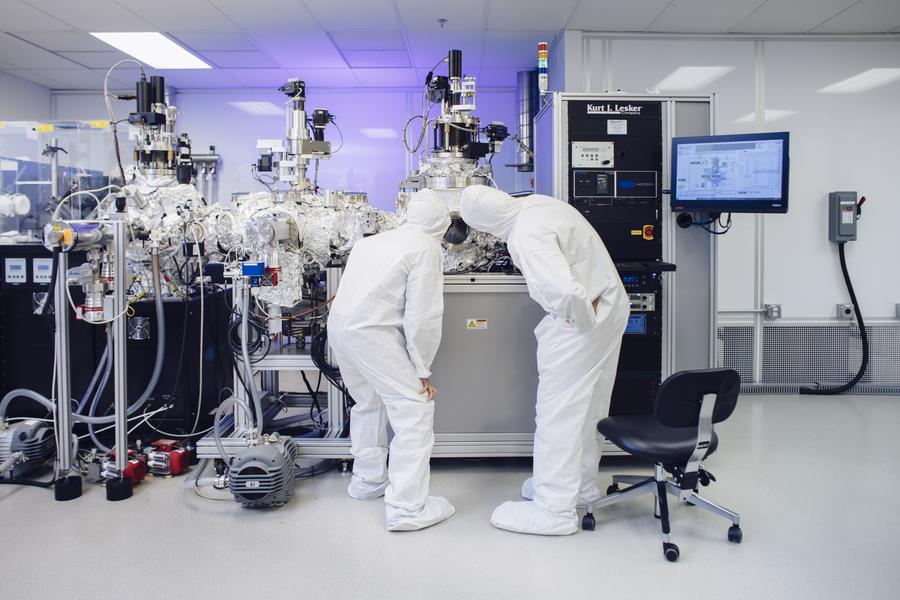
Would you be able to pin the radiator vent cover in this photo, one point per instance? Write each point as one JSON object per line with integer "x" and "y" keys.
{"x": 796, "y": 355}
{"x": 734, "y": 349}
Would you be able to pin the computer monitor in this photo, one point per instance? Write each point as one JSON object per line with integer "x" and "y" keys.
{"x": 730, "y": 173}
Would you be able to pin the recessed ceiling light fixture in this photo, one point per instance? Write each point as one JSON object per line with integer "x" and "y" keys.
{"x": 152, "y": 48}
{"x": 688, "y": 79}
{"x": 259, "y": 109}
{"x": 863, "y": 82}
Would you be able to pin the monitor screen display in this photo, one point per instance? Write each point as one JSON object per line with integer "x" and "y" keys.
{"x": 730, "y": 173}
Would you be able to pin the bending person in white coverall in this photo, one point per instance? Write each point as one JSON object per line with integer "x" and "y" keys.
{"x": 570, "y": 274}
{"x": 384, "y": 329}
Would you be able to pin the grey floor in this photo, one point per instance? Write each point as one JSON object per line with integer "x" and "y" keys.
{"x": 815, "y": 479}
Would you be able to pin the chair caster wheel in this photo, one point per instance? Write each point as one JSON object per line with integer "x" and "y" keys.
{"x": 588, "y": 522}
{"x": 671, "y": 551}
{"x": 612, "y": 489}
{"x": 735, "y": 534}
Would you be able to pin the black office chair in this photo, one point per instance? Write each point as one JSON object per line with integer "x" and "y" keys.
{"x": 676, "y": 438}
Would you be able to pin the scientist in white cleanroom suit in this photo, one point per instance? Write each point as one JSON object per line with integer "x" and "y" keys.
{"x": 571, "y": 275}
{"x": 384, "y": 329}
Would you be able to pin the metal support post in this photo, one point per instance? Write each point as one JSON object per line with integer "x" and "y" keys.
{"x": 120, "y": 488}
{"x": 68, "y": 484}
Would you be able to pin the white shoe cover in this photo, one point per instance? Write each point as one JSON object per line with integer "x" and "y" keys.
{"x": 528, "y": 517}
{"x": 360, "y": 489}
{"x": 436, "y": 509}
{"x": 584, "y": 498}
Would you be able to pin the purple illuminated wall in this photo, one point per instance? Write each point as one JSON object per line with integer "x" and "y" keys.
{"x": 372, "y": 158}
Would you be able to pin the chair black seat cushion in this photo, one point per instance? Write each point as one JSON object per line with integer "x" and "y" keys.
{"x": 645, "y": 437}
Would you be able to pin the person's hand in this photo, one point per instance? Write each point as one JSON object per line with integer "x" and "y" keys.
{"x": 427, "y": 389}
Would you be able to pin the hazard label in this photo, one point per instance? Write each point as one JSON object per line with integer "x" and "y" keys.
{"x": 473, "y": 324}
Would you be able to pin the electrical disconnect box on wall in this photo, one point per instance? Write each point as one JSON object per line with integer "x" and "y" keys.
{"x": 842, "y": 215}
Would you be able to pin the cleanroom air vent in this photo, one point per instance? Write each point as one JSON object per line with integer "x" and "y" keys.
{"x": 735, "y": 349}
{"x": 798, "y": 355}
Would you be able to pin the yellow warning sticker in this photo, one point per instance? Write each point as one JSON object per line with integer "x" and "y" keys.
{"x": 637, "y": 232}
{"x": 44, "y": 127}
{"x": 99, "y": 124}
{"x": 474, "y": 324}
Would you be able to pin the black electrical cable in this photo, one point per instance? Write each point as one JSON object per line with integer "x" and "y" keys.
{"x": 319, "y": 468}
{"x": 259, "y": 339}
{"x": 318, "y": 354}
{"x": 28, "y": 482}
{"x": 186, "y": 302}
{"x": 863, "y": 336}
{"x": 315, "y": 409}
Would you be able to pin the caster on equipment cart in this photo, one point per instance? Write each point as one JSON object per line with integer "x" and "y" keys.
{"x": 588, "y": 522}
{"x": 671, "y": 551}
{"x": 735, "y": 534}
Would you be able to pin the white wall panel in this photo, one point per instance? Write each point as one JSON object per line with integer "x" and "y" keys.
{"x": 838, "y": 142}
{"x": 23, "y": 100}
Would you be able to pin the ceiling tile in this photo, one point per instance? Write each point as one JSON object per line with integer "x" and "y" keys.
{"x": 27, "y": 56}
{"x": 199, "y": 79}
{"x": 377, "y": 58}
{"x": 368, "y": 40}
{"x": 312, "y": 50}
{"x": 203, "y": 41}
{"x": 790, "y": 16}
{"x": 869, "y": 16}
{"x": 93, "y": 15}
{"x": 514, "y": 15}
{"x": 239, "y": 60}
{"x": 64, "y": 41}
{"x": 95, "y": 60}
{"x": 267, "y": 78}
{"x": 74, "y": 79}
{"x": 18, "y": 16}
{"x": 615, "y": 15}
{"x": 512, "y": 48}
{"x": 178, "y": 15}
{"x": 268, "y": 16}
{"x": 387, "y": 77}
{"x": 34, "y": 77}
{"x": 494, "y": 77}
{"x": 461, "y": 15}
{"x": 123, "y": 77}
{"x": 314, "y": 78}
{"x": 325, "y": 78}
{"x": 428, "y": 48}
{"x": 703, "y": 16}
{"x": 354, "y": 15}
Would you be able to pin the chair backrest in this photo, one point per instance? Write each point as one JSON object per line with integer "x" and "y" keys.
{"x": 680, "y": 396}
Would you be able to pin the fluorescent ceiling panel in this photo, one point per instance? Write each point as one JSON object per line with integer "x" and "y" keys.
{"x": 771, "y": 115}
{"x": 259, "y": 109}
{"x": 688, "y": 79}
{"x": 152, "y": 48}
{"x": 863, "y": 82}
